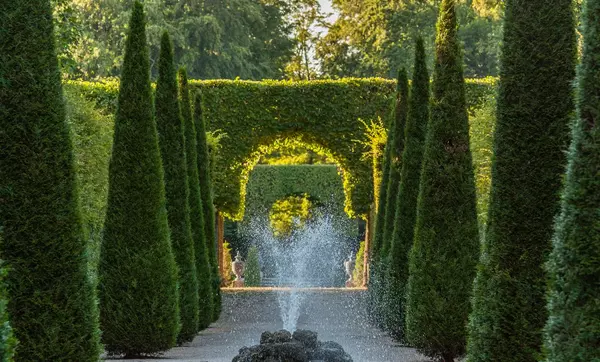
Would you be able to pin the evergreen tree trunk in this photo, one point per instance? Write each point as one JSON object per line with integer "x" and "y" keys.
{"x": 406, "y": 202}
{"x": 205, "y": 289}
{"x": 172, "y": 145}
{"x": 207, "y": 203}
{"x": 51, "y": 301}
{"x": 138, "y": 273}
{"x": 446, "y": 241}
{"x": 573, "y": 327}
{"x": 534, "y": 105}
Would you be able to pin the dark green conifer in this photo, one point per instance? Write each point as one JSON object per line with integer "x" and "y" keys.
{"x": 533, "y": 108}
{"x": 573, "y": 327}
{"x": 207, "y": 203}
{"x": 205, "y": 290}
{"x": 52, "y": 304}
{"x": 446, "y": 241}
{"x": 172, "y": 146}
{"x": 139, "y": 312}
{"x": 406, "y": 202}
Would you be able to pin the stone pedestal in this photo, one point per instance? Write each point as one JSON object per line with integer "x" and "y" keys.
{"x": 238, "y": 267}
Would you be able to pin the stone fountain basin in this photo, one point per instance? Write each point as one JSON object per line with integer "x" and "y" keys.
{"x": 301, "y": 346}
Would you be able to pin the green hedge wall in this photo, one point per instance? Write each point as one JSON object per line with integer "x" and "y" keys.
{"x": 254, "y": 115}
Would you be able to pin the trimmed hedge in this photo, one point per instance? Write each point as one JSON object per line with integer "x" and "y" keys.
{"x": 252, "y": 268}
{"x": 51, "y": 300}
{"x": 203, "y": 267}
{"x": 446, "y": 241}
{"x": 8, "y": 342}
{"x": 406, "y": 201}
{"x": 138, "y": 274}
{"x": 208, "y": 208}
{"x": 573, "y": 326}
{"x": 534, "y": 107}
{"x": 169, "y": 124}
{"x": 333, "y": 111}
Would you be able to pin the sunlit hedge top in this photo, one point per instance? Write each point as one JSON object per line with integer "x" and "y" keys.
{"x": 257, "y": 117}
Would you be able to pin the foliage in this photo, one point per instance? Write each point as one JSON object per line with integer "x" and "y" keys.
{"x": 330, "y": 120}
{"x": 573, "y": 326}
{"x": 359, "y": 266}
{"x": 252, "y": 268}
{"x": 227, "y": 260}
{"x": 293, "y": 156}
{"x": 136, "y": 250}
{"x": 51, "y": 300}
{"x": 213, "y": 39}
{"x": 376, "y": 38}
{"x": 534, "y": 106}
{"x": 446, "y": 242}
{"x": 208, "y": 208}
{"x": 169, "y": 124}
{"x": 92, "y": 134}
{"x": 197, "y": 224}
{"x": 8, "y": 342}
{"x": 290, "y": 214}
{"x": 406, "y": 199}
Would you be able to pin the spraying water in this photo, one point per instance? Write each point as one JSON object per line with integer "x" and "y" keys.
{"x": 311, "y": 257}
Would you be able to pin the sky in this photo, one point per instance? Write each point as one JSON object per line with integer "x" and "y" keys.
{"x": 326, "y": 8}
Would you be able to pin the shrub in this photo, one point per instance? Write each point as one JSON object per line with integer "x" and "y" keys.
{"x": 201, "y": 244}
{"x": 406, "y": 201}
{"x": 227, "y": 260}
{"x": 7, "y": 338}
{"x": 359, "y": 266}
{"x": 573, "y": 327}
{"x": 252, "y": 272}
{"x": 136, "y": 257}
{"x": 51, "y": 301}
{"x": 208, "y": 208}
{"x": 534, "y": 106}
{"x": 446, "y": 242}
{"x": 172, "y": 146}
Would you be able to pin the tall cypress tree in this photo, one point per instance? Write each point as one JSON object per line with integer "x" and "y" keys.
{"x": 406, "y": 202}
{"x": 205, "y": 289}
{"x": 397, "y": 141}
{"x": 446, "y": 241}
{"x": 207, "y": 203}
{"x": 51, "y": 300}
{"x": 534, "y": 105}
{"x": 172, "y": 146}
{"x": 138, "y": 275}
{"x": 573, "y": 327}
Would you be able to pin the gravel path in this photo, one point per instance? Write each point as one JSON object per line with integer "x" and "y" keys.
{"x": 337, "y": 315}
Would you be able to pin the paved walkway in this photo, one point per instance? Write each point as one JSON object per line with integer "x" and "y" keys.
{"x": 337, "y": 315}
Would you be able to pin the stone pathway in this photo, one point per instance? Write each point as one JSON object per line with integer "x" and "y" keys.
{"x": 335, "y": 314}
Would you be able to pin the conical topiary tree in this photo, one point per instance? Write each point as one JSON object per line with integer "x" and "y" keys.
{"x": 406, "y": 202}
{"x": 446, "y": 241}
{"x": 139, "y": 311}
{"x": 51, "y": 301}
{"x": 172, "y": 146}
{"x": 573, "y": 327}
{"x": 533, "y": 108}
{"x": 252, "y": 268}
{"x": 207, "y": 203}
{"x": 205, "y": 291}
{"x": 396, "y": 139}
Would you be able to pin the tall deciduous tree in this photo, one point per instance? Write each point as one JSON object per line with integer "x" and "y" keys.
{"x": 172, "y": 146}
{"x": 406, "y": 201}
{"x": 534, "y": 106}
{"x": 446, "y": 241}
{"x": 201, "y": 241}
{"x": 51, "y": 301}
{"x": 208, "y": 208}
{"x": 573, "y": 326}
{"x": 139, "y": 304}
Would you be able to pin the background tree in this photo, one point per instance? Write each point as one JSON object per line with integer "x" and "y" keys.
{"x": 136, "y": 250}
{"x": 197, "y": 217}
{"x": 446, "y": 241}
{"x": 172, "y": 146}
{"x": 406, "y": 201}
{"x": 208, "y": 207}
{"x": 534, "y": 106}
{"x": 573, "y": 326}
{"x": 51, "y": 301}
